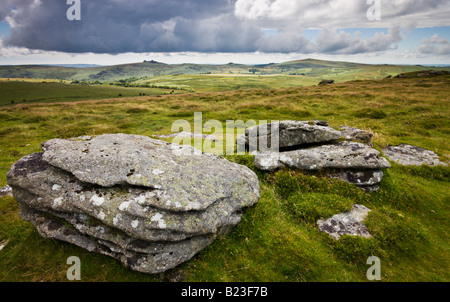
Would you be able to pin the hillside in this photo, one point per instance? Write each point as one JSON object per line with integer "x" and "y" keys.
{"x": 309, "y": 68}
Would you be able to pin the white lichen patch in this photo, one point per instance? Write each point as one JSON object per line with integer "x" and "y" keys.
{"x": 157, "y": 172}
{"x": 56, "y": 187}
{"x": 101, "y": 215}
{"x": 134, "y": 224}
{"x": 158, "y": 218}
{"x": 124, "y": 206}
{"x": 141, "y": 199}
{"x": 57, "y": 202}
{"x": 97, "y": 200}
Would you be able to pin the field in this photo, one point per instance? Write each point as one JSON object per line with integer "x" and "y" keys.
{"x": 45, "y": 91}
{"x": 277, "y": 240}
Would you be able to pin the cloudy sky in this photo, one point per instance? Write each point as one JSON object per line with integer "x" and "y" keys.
{"x": 222, "y": 31}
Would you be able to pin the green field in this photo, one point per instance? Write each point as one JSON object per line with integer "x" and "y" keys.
{"x": 277, "y": 240}
{"x": 16, "y": 92}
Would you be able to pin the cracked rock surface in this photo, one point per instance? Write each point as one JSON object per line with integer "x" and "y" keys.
{"x": 148, "y": 203}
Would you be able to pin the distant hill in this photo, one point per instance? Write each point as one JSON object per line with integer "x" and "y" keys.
{"x": 340, "y": 71}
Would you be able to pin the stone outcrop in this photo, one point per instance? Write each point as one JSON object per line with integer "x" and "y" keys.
{"x": 408, "y": 155}
{"x": 289, "y": 134}
{"x": 348, "y": 223}
{"x": 148, "y": 203}
{"x": 315, "y": 146}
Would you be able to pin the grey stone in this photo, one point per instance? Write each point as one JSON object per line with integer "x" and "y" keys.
{"x": 408, "y": 155}
{"x": 131, "y": 209}
{"x": 109, "y": 160}
{"x": 348, "y": 223}
{"x": 6, "y": 191}
{"x": 289, "y": 134}
{"x": 89, "y": 192}
{"x": 358, "y": 135}
{"x": 341, "y": 155}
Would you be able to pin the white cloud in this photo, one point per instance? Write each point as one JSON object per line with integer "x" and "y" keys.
{"x": 435, "y": 46}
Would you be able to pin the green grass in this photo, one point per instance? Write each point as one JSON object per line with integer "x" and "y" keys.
{"x": 18, "y": 92}
{"x": 277, "y": 239}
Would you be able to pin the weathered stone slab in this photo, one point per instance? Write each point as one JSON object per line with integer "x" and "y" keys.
{"x": 408, "y": 155}
{"x": 341, "y": 155}
{"x": 290, "y": 134}
{"x": 348, "y": 223}
{"x": 119, "y": 159}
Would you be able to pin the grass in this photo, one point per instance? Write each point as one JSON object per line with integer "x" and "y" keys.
{"x": 277, "y": 240}
{"x": 45, "y": 91}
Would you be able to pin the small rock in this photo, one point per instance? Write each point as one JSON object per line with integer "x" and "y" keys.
{"x": 6, "y": 191}
{"x": 348, "y": 223}
{"x": 408, "y": 155}
{"x": 326, "y": 82}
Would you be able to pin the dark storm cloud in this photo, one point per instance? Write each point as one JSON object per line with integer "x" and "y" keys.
{"x": 112, "y": 26}
{"x": 119, "y": 26}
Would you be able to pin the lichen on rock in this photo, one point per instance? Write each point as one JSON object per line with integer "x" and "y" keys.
{"x": 131, "y": 197}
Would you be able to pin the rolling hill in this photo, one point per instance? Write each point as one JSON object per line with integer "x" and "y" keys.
{"x": 340, "y": 71}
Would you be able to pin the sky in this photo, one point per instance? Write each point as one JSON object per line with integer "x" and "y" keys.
{"x": 112, "y": 32}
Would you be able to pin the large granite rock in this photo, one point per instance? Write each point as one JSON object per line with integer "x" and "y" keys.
{"x": 408, "y": 155}
{"x": 348, "y": 223}
{"x": 341, "y": 155}
{"x": 289, "y": 134}
{"x": 148, "y": 203}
